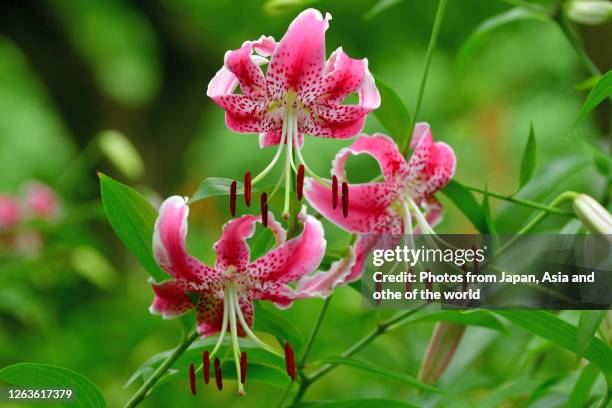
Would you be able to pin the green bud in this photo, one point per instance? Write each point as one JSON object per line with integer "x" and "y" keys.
{"x": 590, "y": 12}
{"x": 593, "y": 215}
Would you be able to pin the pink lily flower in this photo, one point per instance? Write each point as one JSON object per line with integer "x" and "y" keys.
{"x": 41, "y": 200}
{"x": 223, "y": 294}
{"x": 299, "y": 93}
{"x": 381, "y": 211}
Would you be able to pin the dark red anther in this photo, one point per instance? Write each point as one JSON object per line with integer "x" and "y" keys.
{"x": 247, "y": 188}
{"x": 290, "y": 361}
{"x": 233, "y": 188}
{"x": 264, "y": 209}
{"x": 218, "y": 374}
{"x": 345, "y": 199}
{"x": 243, "y": 366}
{"x": 428, "y": 286}
{"x": 378, "y": 288}
{"x": 300, "y": 182}
{"x": 409, "y": 283}
{"x": 206, "y": 366}
{"x": 192, "y": 379}
{"x": 334, "y": 192}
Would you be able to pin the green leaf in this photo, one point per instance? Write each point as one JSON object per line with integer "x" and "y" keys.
{"x": 133, "y": 218}
{"x": 215, "y": 187}
{"x": 602, "y": 160}
{"x": 86, "y": 394}
{"x": 275, "y": 7}
{"x": 488, "y": 26}
{"x": 482, "y": 318}
{"x": 393, "y": 114}
{"x": 601, "y": 91}
{"x": 358, "y": 403}
{"x": 561, "y": 333}
{"x": 582, "y": 388}
{"x": 385, "y": 372}
{"x": 467, "y": 204}
{"x": 271, "y": 367}
{"x": 277, "y": 325}
{"x": 486, "y": 212}
{"x": 587, "y": 327}
{"x": 528, "y": 162}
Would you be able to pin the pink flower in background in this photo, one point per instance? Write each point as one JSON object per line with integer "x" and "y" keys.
{"x": 10, "y": 213}
{"x": 388, "y": 207}
{"x": 41, "y": 200}
{"x": 223, "y": 294}
{"x": 299, "y": 93}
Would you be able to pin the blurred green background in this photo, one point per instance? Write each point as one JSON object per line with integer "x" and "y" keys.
{"x": 71, "y": 69}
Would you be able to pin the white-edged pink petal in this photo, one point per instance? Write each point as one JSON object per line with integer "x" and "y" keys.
{"x": 293, "y": 259}
{"x": 323, "y": 283}
{"x": 342, "y": 76}
{"x": 369, "y": 206}
{"x": 379, "y": 146}
{"x": 250, "y": 77}
{"x": 169, "y": 248}
{"x": 232, "y": 248}
{"x": 334, "y": 121}
{"x": 431, "y": 165}
{"x": 170, "y": 299}
{"x": 299, "y": 58}
{"x": 274, "y": 137}
{"x": 265, "y": 46}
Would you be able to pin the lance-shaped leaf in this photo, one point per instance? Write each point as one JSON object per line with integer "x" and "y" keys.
{"x": 528, "y": 162}
{"x": 601, "y": 91}
{"x": 132, "y": 217}
{"x": 393, "y": 115}
{"x": 466, "y": 203}
{"x": 587, "y": 327}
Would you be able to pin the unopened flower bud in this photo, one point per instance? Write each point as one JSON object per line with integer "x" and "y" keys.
{"x": 442, "y": 347}
{"x": 591, "y": 12}
{"x": 593, "y": 215}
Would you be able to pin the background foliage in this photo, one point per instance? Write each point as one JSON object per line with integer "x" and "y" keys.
{"x": 71, "y": 70}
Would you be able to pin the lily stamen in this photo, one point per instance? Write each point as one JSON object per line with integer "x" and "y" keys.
{"x": 218, "y": 374}
{"x": 290, "y": 361}
{"x": 192, "y": 379}
{"x": 233, "y": 189}
{"x": 300, "y": 182}
{"x": 264, "y": 209}
{"x": 334, "y": 192}
{"x": 247, "y": 188}
{"x": 206, "y": 366}
{"x": 345, "y": 199}
{"x": 243, "y": 366}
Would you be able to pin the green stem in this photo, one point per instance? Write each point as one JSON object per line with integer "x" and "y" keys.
{"x": 382, "y": 328}
{"x": 565, "y": 196}
{"x": 569, "y": 33}
{"x": 433, "y": 39}
{"x": 313, "y": 335}
{"x": 167, "y": 363}
{"x": 527, "y": 203}
{"x": 315, "y": 331}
